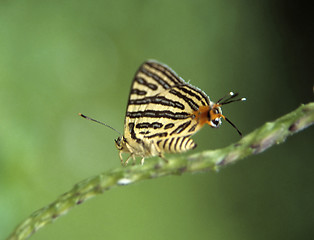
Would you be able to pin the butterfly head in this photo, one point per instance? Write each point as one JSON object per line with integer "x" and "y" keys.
{"x": 215, "y": 112}
{"x": 214, "y": 116}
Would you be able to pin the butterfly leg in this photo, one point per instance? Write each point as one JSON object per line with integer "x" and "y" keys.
{"x": 160, "y": 153}
{"x": 163, "y": 157}
{"x": 127, "y": 160}
{"x": 121, "y": 158}
{"x": 134, "y": 160}
{"x": 142, "y": 161}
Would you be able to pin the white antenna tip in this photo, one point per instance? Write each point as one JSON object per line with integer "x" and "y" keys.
{"x": 243, "y": 99}
{"x": 231, "y": 93}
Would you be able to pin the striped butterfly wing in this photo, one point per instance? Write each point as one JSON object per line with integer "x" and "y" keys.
{"x": 171, "y": 122}
{"x": 153, "y": 78}
{"x": 160, "y": 110}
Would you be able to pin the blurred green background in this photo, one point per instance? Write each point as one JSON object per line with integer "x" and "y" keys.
{"x": 59, "y": 58}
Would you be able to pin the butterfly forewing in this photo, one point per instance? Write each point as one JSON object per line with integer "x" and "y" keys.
{"x": 159, "y": 115}
{"x": 151, "y": 79}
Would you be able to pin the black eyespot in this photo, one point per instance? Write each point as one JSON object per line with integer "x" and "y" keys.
{"x": 118, "y": 141}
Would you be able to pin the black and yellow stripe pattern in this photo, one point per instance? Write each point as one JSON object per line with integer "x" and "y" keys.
{"x": 161, "y": 113}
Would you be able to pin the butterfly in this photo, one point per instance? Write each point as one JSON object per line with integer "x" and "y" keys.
{"x": 164, "y": 111}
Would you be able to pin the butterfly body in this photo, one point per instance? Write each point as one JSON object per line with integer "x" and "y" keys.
{"x": 163, "y": 112}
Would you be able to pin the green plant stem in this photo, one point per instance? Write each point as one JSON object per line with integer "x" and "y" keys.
{"x": 268, "y": 135}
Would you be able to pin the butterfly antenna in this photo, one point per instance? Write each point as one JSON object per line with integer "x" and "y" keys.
{"x": 94, "y": 120}
{"x": 227, "y": 95}
{"x": 230, "y": 99}
{"x": 233, "y": 126}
